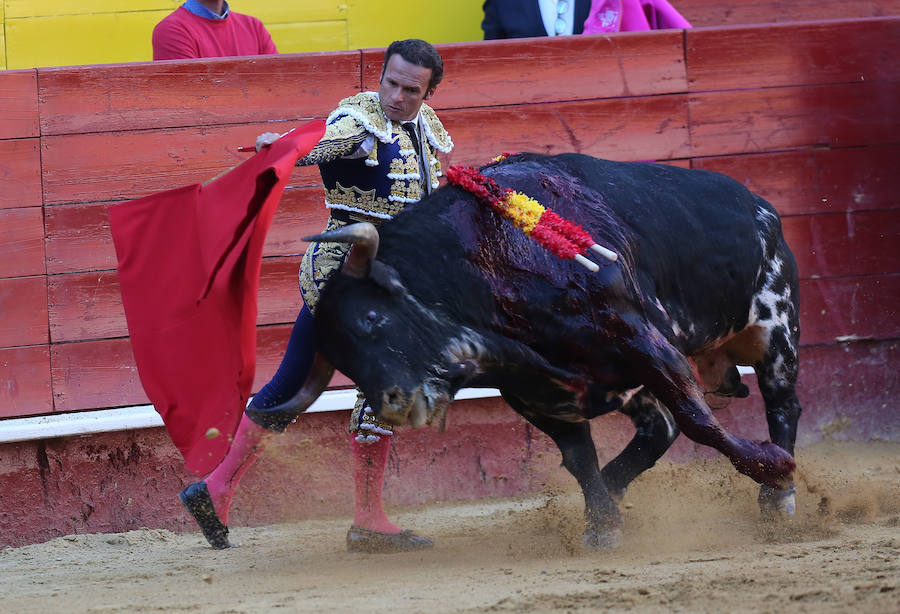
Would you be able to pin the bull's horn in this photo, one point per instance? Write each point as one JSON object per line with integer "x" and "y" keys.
{"x": 279, "y": 416}
{"x": 363, "y": 236}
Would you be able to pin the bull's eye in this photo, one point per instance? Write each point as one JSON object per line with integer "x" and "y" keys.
{"x": 369, "y": 321}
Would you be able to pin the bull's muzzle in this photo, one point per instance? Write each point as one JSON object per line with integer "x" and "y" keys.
{"x": 394, "y": 406}
{"x": 419, "y": 407}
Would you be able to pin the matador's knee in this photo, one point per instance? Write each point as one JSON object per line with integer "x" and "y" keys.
{"x": 363, "y": 422}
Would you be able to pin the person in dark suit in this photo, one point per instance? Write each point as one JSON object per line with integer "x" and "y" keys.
{"x": 527, "y": 18}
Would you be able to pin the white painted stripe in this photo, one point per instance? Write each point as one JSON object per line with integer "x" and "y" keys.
{"x": 145, "y": 416}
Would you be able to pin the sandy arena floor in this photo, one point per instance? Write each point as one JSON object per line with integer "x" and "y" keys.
{"x": 693, "y": 543}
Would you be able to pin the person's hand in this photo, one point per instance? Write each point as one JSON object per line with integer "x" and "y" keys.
{"x": 265, "y": 139}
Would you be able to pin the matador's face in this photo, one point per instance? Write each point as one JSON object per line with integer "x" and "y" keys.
{"x": 403, "y": 89}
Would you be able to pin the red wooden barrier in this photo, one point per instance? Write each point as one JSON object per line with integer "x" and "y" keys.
{"x": 817, "y": 180}
{"x": 78, "y": 239}
{"x": 736, "y": 12}
{"x": 217, "y": 92}
{"x": 18, "y": 99}
{"x": 849, "y": 308}
{"x": 792, "y": 55}
{"x": 536, "y": 70}
{"x": 747, "y": 121}
{"x": 801, "y": 113}
{"x": 640, "y": 128}
{"x": 102, "y": 373}
{"x": 804, "y": 114}
{"x": 76, "y": 168}
{"x": 843, "y": 245}
{"x": 23, "y": 311}
{"x": 26, "y": 374}
{"x": 20, "y": 167}
{"x": 21, "y": 242}
{"x": 86, "y": 306}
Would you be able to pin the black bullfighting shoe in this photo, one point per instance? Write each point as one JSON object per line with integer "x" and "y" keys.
{"x": 373, "y": 542}
{"x": 199, "y": 504}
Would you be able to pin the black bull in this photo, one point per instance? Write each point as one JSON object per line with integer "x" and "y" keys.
{"x": 459, "y": 297}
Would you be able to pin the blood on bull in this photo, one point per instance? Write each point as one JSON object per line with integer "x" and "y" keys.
{"x": 455, "y": 293}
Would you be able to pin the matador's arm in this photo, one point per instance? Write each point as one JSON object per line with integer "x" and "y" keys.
{"x": 342, "y": 137}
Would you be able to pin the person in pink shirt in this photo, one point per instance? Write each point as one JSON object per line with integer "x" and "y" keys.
{"x": 524, "y": 19}
{"x": 209, "y": 29}
{"x": 632, "y": 16}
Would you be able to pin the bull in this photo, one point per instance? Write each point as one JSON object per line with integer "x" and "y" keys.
{"x": 457, "y": 296}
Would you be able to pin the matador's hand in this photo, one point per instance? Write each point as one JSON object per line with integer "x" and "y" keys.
{"x": 265, "y": 139}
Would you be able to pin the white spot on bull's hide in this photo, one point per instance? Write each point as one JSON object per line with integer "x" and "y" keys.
{"x": 676, "y": 327}
{"x": 660, "y": 409}
{"x": 766, "y": 219}
{"x": 625, "y": 396}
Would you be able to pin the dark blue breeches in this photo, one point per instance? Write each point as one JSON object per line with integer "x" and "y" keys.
{"x": 291, "y": 374}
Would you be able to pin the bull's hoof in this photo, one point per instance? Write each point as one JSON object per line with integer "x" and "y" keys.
{"x": 600, "y": 540}
{"x": 774, "y": 502}
{"x": 765, "y": 463}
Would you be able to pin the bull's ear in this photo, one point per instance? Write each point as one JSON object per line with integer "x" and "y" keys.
{"x": 386, "y": 276}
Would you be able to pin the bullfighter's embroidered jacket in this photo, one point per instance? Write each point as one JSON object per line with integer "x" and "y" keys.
{"x": 372, "y": 188}
{"x": 381, "y": 184}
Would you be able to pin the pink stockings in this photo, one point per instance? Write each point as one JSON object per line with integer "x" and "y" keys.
{"x": 369, "y": 463}
{"x": 248, "y": 444}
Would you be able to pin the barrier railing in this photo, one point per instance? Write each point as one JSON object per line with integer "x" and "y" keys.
{"x": 804, "y": 113}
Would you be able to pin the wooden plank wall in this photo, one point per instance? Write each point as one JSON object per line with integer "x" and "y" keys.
{"x": 801, "y": 113}
{"x": 711, "y": 13}
{"x": 804, "y": 114}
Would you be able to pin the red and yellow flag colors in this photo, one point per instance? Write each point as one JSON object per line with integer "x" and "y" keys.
{"x": 563, "y": 238}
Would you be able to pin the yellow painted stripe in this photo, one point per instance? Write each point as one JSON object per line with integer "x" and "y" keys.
{"x": 49, "y": 8}
{"x": 305, "y": 37}
{"x": 82, "y": 39}
{"x": 292, "y": 12}
{"x": 373, "y": 23}
{"x": 62, "y": 32}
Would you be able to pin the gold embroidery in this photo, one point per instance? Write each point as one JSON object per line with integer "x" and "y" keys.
{"x": 435, "y": 131}
{"x": 405, "y": 166}
{"x": 367, "y": 107}
{"x": 320, "y": 262}
{"x": 406, "y": 192}
{"x": 364, "y": 201}
{"x": 352, "y": 197}
{"x": 359, "y": 416}
{"x": 341, "y": 138}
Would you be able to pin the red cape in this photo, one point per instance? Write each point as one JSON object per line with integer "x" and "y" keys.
{"x": 189, "y": 262}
